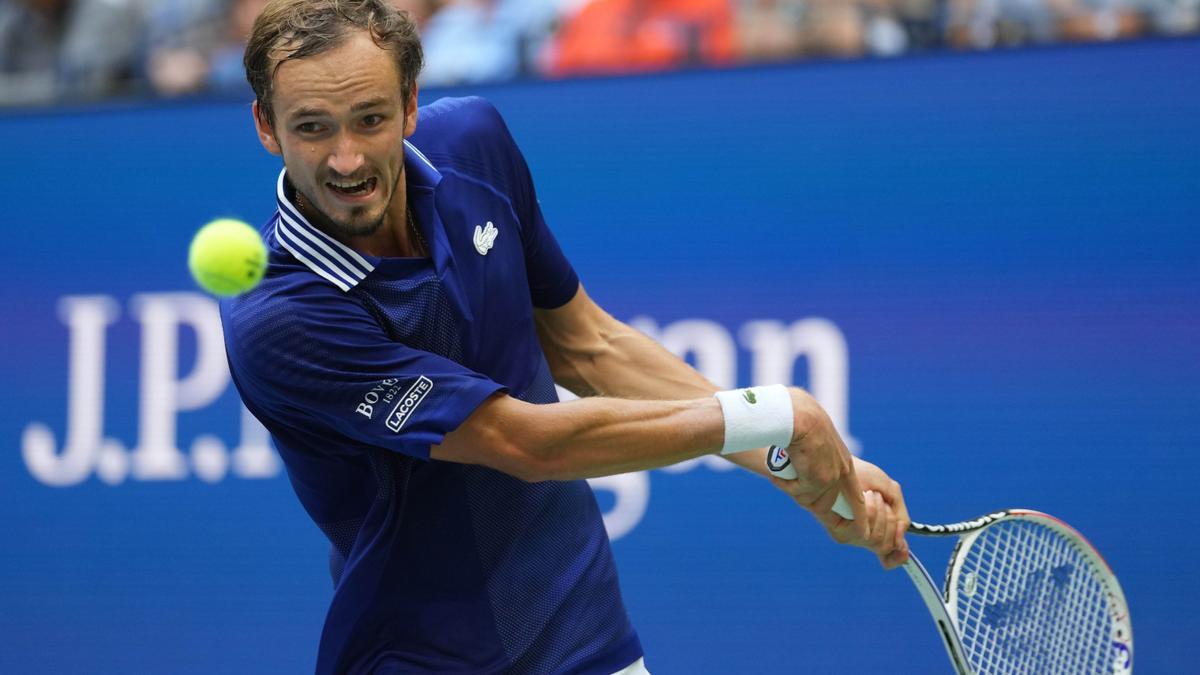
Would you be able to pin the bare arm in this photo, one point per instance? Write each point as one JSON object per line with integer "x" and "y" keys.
{"x": 592, "y": 354}
{"x": 585, "y": 438}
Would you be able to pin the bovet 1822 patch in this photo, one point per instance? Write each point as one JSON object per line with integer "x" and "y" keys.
{"x": 409, "y": 402}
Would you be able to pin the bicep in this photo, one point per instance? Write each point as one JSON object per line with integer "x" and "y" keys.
{"x": 492, "y": 436}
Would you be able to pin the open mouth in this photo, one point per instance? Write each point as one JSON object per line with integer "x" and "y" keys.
{"x": 352, "y": 188}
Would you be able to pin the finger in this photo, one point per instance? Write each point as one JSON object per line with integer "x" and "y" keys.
{"x": 903, "y": 521}
{"x": 802, "y": 489}
{"x": 824, "y": 502}
{"x": 843, "y": 530}
{"x": 882, "y": 533}
{"x": 895, "y": 559}
{"x": 901, "y": 531}
{"x": 887, "y": 529}
{"x": 901, "y": 544}
{"x": 887, "y": 533}
{"x": 853, "y": 493}
{"x": 783, "y": 484}
{"x": 895, "y": 498}
{"x": 796, "y": 488}
{"x": 876, "y": 510}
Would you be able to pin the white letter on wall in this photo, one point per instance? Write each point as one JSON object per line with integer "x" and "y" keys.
{"x": 164, "y": 394}
{"x": 87, "y": 318}
{"x": 715, "y": 356}
{"x": 632, "y": 492}
{"x": 776, "y": 348}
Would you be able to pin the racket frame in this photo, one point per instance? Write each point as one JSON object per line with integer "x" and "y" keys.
{"x": 941, "y": 614}
{"x": 943, "y": 606}
{"x": 1121, "y": 633}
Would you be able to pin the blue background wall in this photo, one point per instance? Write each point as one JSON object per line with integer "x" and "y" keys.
{"x": 1007, "y": 243}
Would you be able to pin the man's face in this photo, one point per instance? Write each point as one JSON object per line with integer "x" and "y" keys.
{"x": 340, "y": 125}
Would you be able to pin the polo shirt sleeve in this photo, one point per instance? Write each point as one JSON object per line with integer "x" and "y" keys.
{"x": 322, "y": 367}
{"x": 552, "y": 279}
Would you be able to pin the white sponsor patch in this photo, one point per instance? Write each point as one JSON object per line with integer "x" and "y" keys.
{"x": 409, "y": 402}
{"x": 385, "y": 391}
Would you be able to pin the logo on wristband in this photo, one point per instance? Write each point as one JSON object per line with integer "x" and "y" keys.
{"x": 777, "y": 459}
{"x": 749, "y": 396}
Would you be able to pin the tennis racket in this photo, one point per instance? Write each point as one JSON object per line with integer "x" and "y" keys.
{"x": 1024, "y": 593}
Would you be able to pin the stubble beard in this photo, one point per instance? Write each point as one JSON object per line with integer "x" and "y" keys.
{"x": 357, "y": 225}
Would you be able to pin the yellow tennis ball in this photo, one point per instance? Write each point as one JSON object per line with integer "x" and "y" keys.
{"x": 227, "y": 257}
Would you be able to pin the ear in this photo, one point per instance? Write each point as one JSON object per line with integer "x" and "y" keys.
{"x": 410, "y": 112}
{"x": 265, "y": 134}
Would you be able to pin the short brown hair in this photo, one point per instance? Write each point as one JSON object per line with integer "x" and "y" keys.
{"x": 294, "y": 29}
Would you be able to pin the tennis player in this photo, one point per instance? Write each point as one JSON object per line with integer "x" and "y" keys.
{"x": 403, "y": 348}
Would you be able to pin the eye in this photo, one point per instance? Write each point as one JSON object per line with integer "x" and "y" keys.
{"x": 372, "y": 120}
{"x": 309, "y": 128}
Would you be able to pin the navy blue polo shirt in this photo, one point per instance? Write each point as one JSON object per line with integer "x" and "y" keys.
{"x": 357, "y": 364}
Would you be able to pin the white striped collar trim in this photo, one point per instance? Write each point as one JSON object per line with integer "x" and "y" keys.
{"x": 414, "y": 150}
{"x": 329, "y": 258}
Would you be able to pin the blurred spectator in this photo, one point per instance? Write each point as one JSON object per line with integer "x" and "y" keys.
{"x": 777, "y": 29}
{"x": 1100, "y": 20}
{"x": 770, "y": 30}
{"x": 468, "y": 41}
{"x": 1173, "y": 17}
{"x": 197, "y": 45}
{"x": 53, "y": 50}
{"x": 418, "y": 10}
{"x": 614, "y": 36}
{"x": 226, "y": 70}
{"x": 835, "y": 28}
{"x": 922, "y": 21}
{"x": 982, "y": 24}
{"x": 67, "y": 49}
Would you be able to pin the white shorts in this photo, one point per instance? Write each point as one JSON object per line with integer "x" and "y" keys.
{"x": 636, "y": 668}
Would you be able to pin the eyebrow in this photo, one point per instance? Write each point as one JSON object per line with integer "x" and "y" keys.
{"x": 369, "y": 103}
{"x": 321, "y": 112}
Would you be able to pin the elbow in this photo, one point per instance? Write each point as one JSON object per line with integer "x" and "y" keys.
{"x": 512, "y": 437}
{"x": 524, "y": 460}
{"x": 531, "y": 471}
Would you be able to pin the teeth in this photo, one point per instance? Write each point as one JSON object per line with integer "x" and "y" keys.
{"x": 341, "y": 185}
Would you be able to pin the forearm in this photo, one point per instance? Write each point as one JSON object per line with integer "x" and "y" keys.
{"x": 606, "y": 436}
{"x": 623, "y": 362}
{"x": 613, "y": 359}
{"x": 585, "y": 438}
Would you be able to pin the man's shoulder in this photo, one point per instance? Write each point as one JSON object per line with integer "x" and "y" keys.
{"x": 290, "y": 298}
{"x": 460, "y": 133}
{"x": 456, "y": 116}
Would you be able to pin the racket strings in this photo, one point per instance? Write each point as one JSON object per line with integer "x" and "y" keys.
{"x": 1028, "y": 601}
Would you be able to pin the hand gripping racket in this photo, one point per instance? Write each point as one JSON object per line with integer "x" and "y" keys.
{"x": 1024, "y": 593}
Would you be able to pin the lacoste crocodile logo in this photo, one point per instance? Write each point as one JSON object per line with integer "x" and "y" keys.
{"x": 485, "y": 238}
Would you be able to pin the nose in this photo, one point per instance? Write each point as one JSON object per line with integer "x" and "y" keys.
{"x": 346, "y": 158}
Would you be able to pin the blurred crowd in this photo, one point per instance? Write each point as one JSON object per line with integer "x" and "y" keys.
{"x": 57, "y": 50}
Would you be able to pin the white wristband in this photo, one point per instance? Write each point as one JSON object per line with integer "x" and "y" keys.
{"x": 756, "y": 417}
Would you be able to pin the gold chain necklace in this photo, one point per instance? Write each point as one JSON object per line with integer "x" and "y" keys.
{"x": 412, "y": 226}
{"x": 420, "y": 238}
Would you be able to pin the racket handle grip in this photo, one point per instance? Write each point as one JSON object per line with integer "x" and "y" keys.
{"x": 842, "y": 507}
{"x": 780, "y": 466}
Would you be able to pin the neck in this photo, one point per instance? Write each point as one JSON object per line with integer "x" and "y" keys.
{"x": 398, "y": 236}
